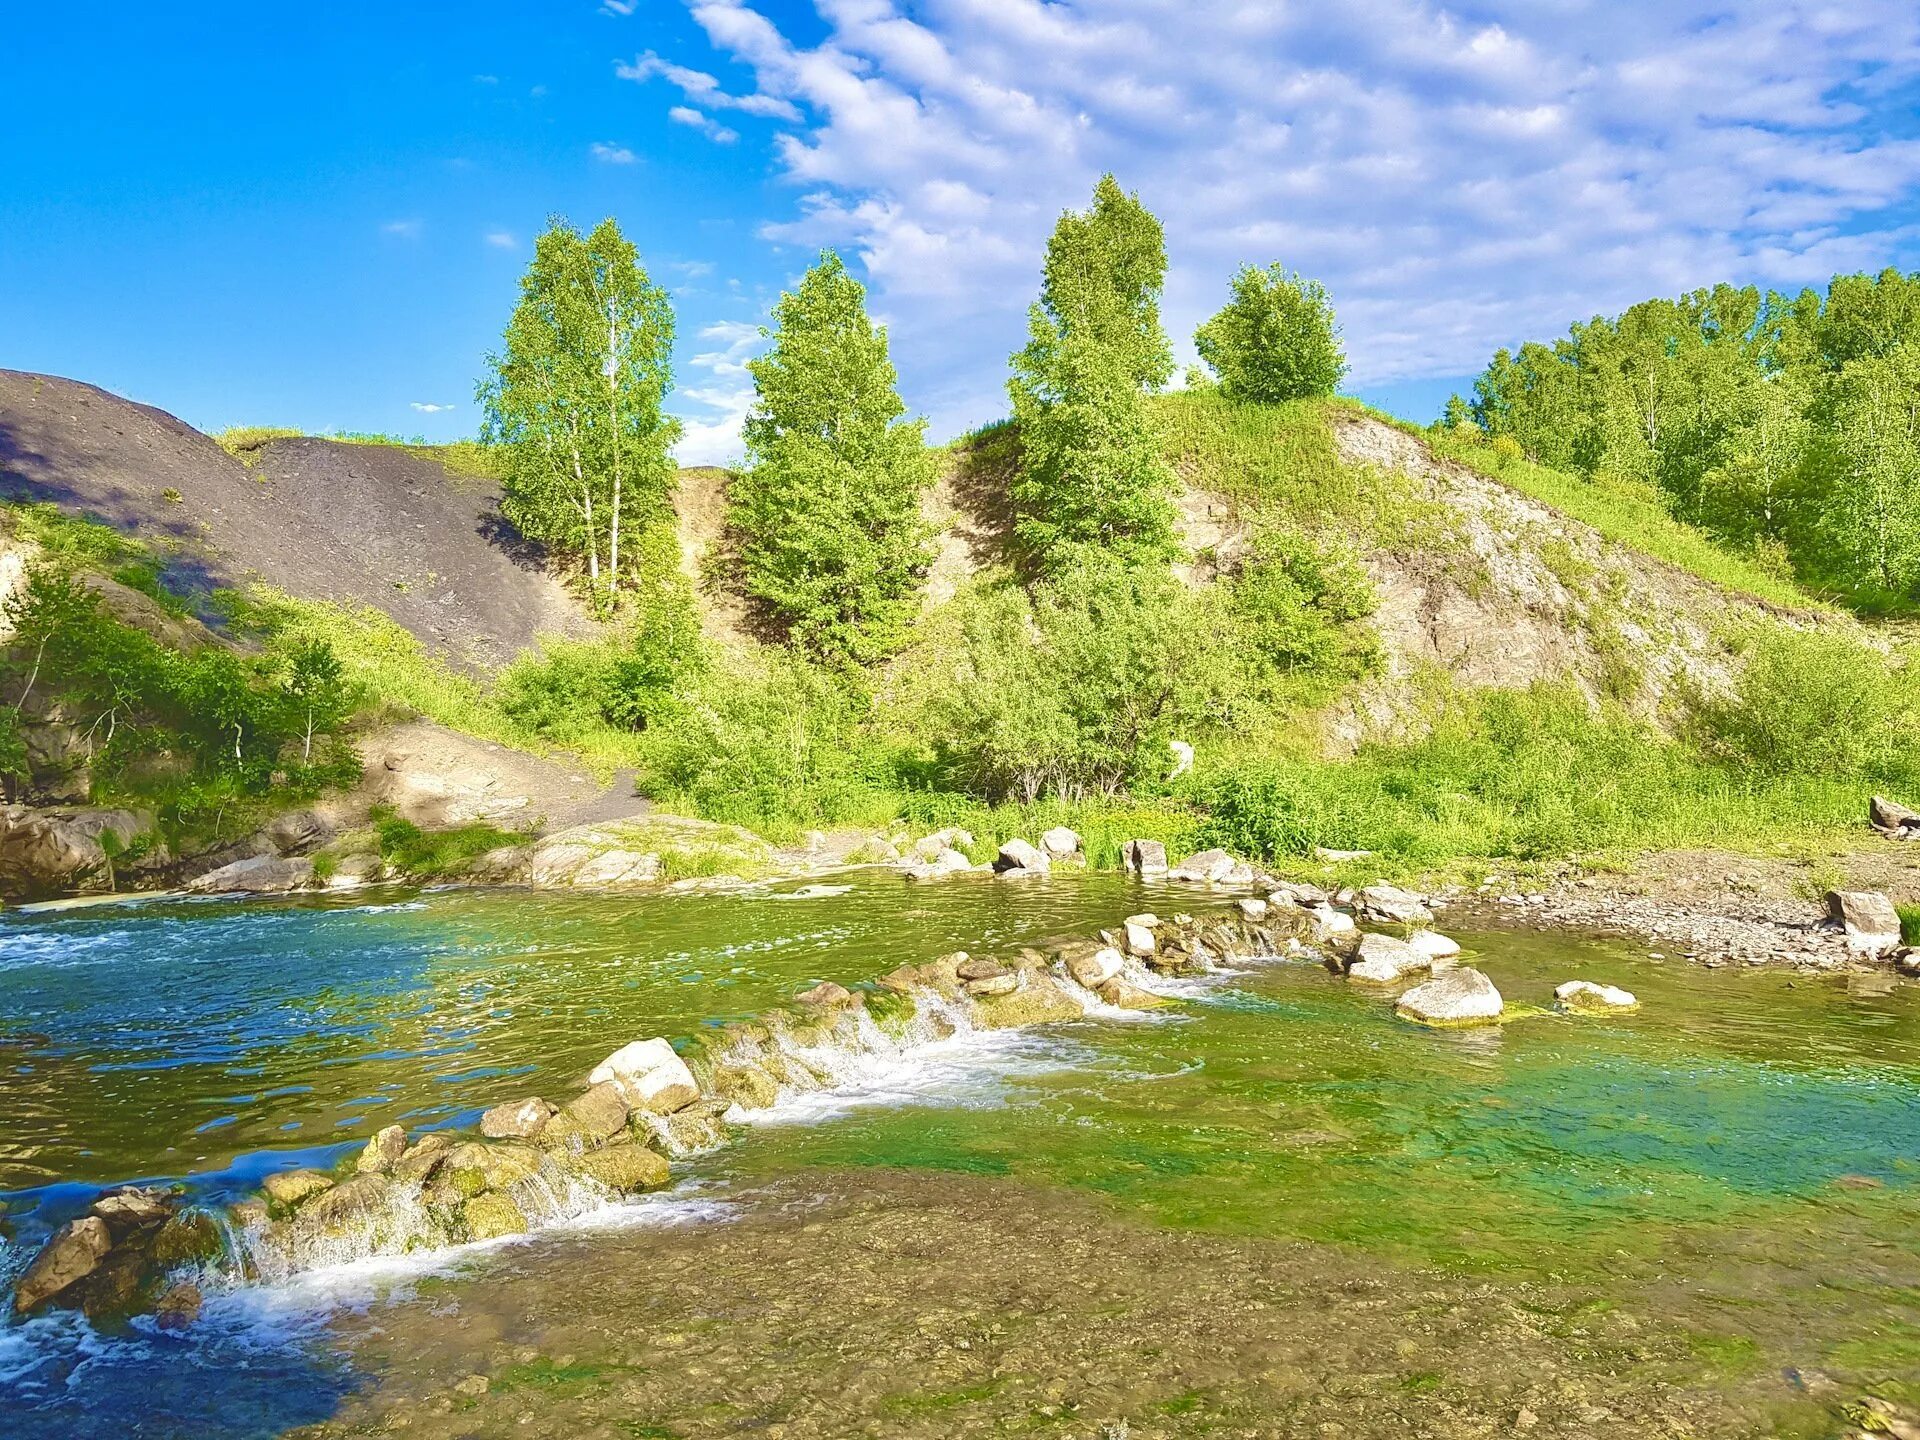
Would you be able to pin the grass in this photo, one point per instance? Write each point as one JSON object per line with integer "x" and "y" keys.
{"x": 466, "y": 458}
{"x": 428, "y": 853}
{"x": 1909, "y": 924}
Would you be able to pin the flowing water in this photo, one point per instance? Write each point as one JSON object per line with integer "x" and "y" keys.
{"x": 1272, "y": 1210}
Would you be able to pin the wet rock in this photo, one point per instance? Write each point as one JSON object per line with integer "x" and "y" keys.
{"x": 1035, "y": 1004}
{"x": 1145, "y": 858}
{"x": 288, "y": 1188}
{"x": 1433, "y": 945}
{"x": 1460, "y": 996}
{"x": 517, "y": 1119}
{"x": 1330, "y": 924}
{"x": 382, "y": 1151}
{"x": 1137, "y": 933}
{"x": 473, "y": 1386}
{"x": 74, "y": 1253}
{"x": 421, "y": 1158}
{"x": 1297, "y": 893}
{"x": 1586, "y": 995}
{"x": 978, "y": 968}
{"x": 1060, "y": 842}
{"x": 623, "y": 1167}
{"x": 471, "y": 1168}
{"x": 349, "y": 1200}
{"x": 692, "y": 1131}
{"x": 1383, "y": 960}
{"x": 179, "y": 1307}
{"x": 649, "y": 1075}
{"x": 260, "y": 875}
{"x": 1907, "y": 959}
{"x": 1094, "y": 968}
{"x": 489, "y": 1216}
{"x": 1017, "y": 857}
{"x": 1125, "y": 995}
{"x": 1867, "y": 919}
{"x": 1253, "y": 909}
{"x": 1892, "y": 819}
{"x": 596, "y": 1114}
{"x": 1212, "y": 867}
{"x": 745, "y": 1084}
{"x": 1005, "y": 983}
{"x": 827, "y": 996}
{"x": 1390, "y": 905}
{"x": 943, "y": 864}
{"x": 126, "y": 1211}
{"x": 189, "y": 1237}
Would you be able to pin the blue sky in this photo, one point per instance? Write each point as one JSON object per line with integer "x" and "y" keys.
{"x": 315, "y": 216}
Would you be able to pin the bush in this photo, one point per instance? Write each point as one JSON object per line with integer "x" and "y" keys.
{"x": 1300, "y": 608}
{"x": 1276, "y": 339}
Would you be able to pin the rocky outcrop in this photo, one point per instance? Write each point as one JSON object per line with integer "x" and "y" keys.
{"x": 262, "y": 875}
{"x": 68, "y": 851}
{"x": 1460, "y": 996}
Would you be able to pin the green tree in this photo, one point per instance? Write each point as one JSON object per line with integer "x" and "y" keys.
{"x": 575, "y": 401}
{"x": 1869, "y": 461}
{"x": 828, "y": 512}
{"x": 1275, "y": 340}
{"x": 316, "y": 687}
{"x": 1091, "y": 473}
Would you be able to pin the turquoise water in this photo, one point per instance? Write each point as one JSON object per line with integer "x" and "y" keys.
{"x": 215, "y": 1041}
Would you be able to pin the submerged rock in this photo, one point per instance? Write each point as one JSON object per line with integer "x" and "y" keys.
{"x": 74, "y": 1253}
{"x": 489, "y": 1216}
{"x": 1867, "y": 919}
{"x": 1383, "y": 960}
{"x": 1586, "y": 995}
{"x": 179, "y": 1307}
{"x": 1145, "y": 858}
{"x": 517, "y": 1119}
{"x": 1460, "y": 996}
{"x": 649, "y": 1075}
{"x": 1390, "y": 905}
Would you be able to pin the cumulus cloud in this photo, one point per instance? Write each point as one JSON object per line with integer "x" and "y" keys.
{"x": 705, "y": 124}
{"x": 1459, "y": 184}
{"x": 428, "y": 408}
{"x": 721, "y": 398}
{"x": 609, "y": 153}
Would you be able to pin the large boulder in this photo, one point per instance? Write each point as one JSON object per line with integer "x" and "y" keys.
{"x": 944, "y": 863}
{"x": 1138, "y": 933}
{"x": 1585, "y": 995}
{"x": 649, "y": 1075}
{"x": 516, "y": 1119}
{"x": 74, "y": 1253}
{"x": 1018, "y": 857}
{"x": 288, "y": 1188}
{"x": 1390, "y": 905}
{"x": 56, "y": 852}
{"x": 1094, "y": 968}
{"x": 623, "y": 1167}
{"x": 261, "y": 875}
{"x": 1435, "y": 946}
{"x": 1145, "y": 858}
{"x": 930, "y": 847}
{"x": 1383, "y": 960}
{"x": 1060, "y": 842}
{"x": 1867, "y": 919}
{"x": 1893, "y": 820}
{"x": 1212, "y": 867}
{"x": 1460, "y": 996}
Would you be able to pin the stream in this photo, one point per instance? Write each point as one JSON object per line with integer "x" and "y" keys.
{"x": 1271, "y": 1209}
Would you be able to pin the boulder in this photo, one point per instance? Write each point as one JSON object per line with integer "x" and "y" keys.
{"x": 1123, "y": 994}
{"x": 1867, "y": 919}
{"x": 649, "y": 1076}
{"x": 1460, "y": 996}
{"x": 1383, "y": 960}
{"x": 261, "y": 875}
{"x": 1180, "y": 758}
{"x": 1060, "y": 842}
{"x": 1094, "y": 969}
{"x": 1145, "y": 858}
{"x": 421, "y": 1158}
{"x": 1434, "y": 946}
{"x": 382, "y": 1151}
{"x": 74, "y": 1252}
{"x": 1893, "y": 820}
{"x": 984, "y": 986}
{"x": 595, "y": 1115}
{"x": 1585, "y": 995}
{"x": 54, "y": 852}
{"x": 930, "y": 847}
{"x": 692, "y": 1131}
{"x": 491, "y": 1215}
{"x": 1212, "y": 867}
{"x": 1330, "y": 924}
{"x": 624, "y": 1167}
{"x": 827, "y": 996}
{"x": 517, "y": 1119}
{"x": 126, "y": 1211}
{"x": 1296, "y": 893}
{"x": 349, "y": 1200}
{"x": 1138, "y": 935}
{"x": 1390, "y": 905}
{"x": 1252, "y": 909}
{"x": 179, "y": 1307}
{"x": 1017, "y": 857}
{"x": 943, "y": 864}
{"x": 288, "y": 1188}
{"x": 469, "y": 1168}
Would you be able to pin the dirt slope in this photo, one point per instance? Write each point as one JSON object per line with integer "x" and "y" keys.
{"x": 360, "y": 524}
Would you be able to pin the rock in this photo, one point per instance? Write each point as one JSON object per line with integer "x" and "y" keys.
{"x": 1005, "y": 983}
{"x": 1145, "y": 858}
{"x": 1294, "y": 892}
{"x": 813, "y": 841}
{"x": 1096, "y": 968}
{"x": 745, "y": 1084}
{"x": 1868, "y": 920}
{"x": 1040, "y": 1003}
{"x": 1331, "y": 924}
{"x": 262, "y": 875}
{"x": 1017, "y": 857}
{"x": 1893, "y": 820}
{"x": 1390, "y": 905}
{"x": 1335, "y": 857}
{"x": 978, "y": 968}
{"x": 469, "y": 1168}
{"x": 133, "y": 1209}
{"x": 649, "y": 1076}
{"x": 943, "y": 864}
{"x": 1908, "y": 960}
{"x": 827, "y": 996}
{"x": 1383, "y": 960}
{"x": 1214, "y": 867}
{"x": 421, "y": 1159}
{"x": 1123, "y": 994}
{"x": 491, "y": 1215}
{"x": 1060, "y": 842}
{"x": 692, "y": 1131}
{"x": 288, "y": 1188}
{"x": 595, "y": 1115}
{"x": 1585, "y": 995}
{"x": 349, "y": 1200}
{"x": 931, "y": 847}
{"x": 1180, "y": 755}
{"x": 74, "y": 1252}
{"x": 52, "y": 852}
{"x": 1434, "y": 945}
{"x": 179, "y": 1307}
{"x": 472, "y": 1386}
{"x": 1138, "y": 934}
{"x": 296, "y": 831}
{"x": 517, "y": 1119}
{"x": 1252, "y": 909}
{"x": 382, "y": 1151}
{"x": 624, "y": 1167}
{"x": 1460, "y": 996}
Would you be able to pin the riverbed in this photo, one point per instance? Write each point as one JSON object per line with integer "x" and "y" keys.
{"x": 1272, "y": 1208}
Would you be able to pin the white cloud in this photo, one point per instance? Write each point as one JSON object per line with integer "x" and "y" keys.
{"x": 426, "y": 408}
{"x": 705, "y": 124}
{"x": 501, "y": 239}
{"x": 403, "y": 229}
{"x": 711, "y": 434}
{"x": 609, "y": 153}
{"x": 1458, "y": 185}
{"x": 619, "y": 8}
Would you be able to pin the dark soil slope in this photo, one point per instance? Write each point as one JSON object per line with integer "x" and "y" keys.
{"x": 326, "y": 520}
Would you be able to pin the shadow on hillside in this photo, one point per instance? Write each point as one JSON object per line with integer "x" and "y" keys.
{"x": 983, "y": 470}
{"x": 503, "y": 535}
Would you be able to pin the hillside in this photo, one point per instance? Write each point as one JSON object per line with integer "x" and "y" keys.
{"x": 357, "y": 524}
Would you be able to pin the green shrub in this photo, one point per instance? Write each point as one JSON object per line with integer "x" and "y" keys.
{"x": 425, "y": 853}
{"x": 1276, "y": 340}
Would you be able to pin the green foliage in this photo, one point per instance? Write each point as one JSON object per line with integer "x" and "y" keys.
{"x": 828, "y": 512}
{"x": 1091, "y": 474}
{"x": 1275, "y": 340}
{"x": 426, "y": 853}
{"x": 1300, "y": 608}
{"x": 574, "y": 402}
{"x": 245, "y": 442}
{"x": 1909, "y": 924}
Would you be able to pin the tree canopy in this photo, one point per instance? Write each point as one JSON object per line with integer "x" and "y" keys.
{"x": 1275, "y": 340}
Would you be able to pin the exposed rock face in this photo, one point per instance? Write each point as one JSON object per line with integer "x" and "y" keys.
{"x": 1018, "y": 857}
{"x": 1586, "y": 995}
{"x": 517, "y": 1119}
{"x": 74, "y": 1253}
{"x": 1390, "y": 905}
{"x": 1867, "y": 919}
{"x": 1383, "y": 960}
{"x": 261, "y": 875}
{"x": 1145, "y": 858}
{"x": 648, "y": 1075}
{"x": 1460, "y": 996}
{"x": 57, "y": 852}
{"x": 1060, "y": 842}
{"x": 1893, "y": 820}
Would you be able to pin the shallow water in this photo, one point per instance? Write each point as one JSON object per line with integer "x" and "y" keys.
{"x": 1730, "y": 1169}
